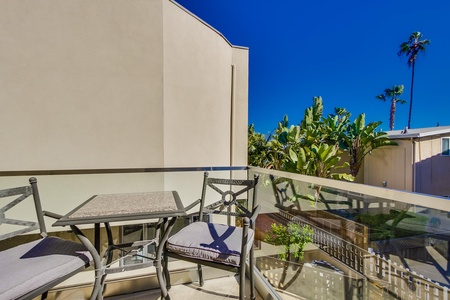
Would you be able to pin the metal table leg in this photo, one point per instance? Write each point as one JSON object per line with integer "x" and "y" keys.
{"x": 97, "y": 237}
{"x": 161, "y": 269}
{"x": 99, "y": 268}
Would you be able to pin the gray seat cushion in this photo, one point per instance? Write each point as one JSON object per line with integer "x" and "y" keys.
{"x": 211, "y": 242}
{"x": 37, "y": 263}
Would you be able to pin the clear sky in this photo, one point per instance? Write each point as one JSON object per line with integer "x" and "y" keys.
{"x": 344, "y": 51}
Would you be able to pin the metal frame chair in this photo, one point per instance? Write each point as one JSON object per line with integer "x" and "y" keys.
{"x": 217, "y": 245}
{"x": 33, "y": 268}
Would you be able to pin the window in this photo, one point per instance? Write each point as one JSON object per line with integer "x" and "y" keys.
{"x": 445, "y": 146}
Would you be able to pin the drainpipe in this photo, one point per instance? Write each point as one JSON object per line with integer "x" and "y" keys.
{"x": 232, "y": 99}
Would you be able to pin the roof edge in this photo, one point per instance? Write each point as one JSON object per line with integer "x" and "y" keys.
{"x": 212, "y": 28}
{"x": 418, "y": 132}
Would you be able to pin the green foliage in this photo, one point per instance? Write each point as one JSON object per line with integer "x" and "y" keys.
{"x": 312, "y": 148}
{"x": 315, "y": 160}
{"x": 294, "y": 237}
{"x": 313, "y": 114}
{"x": 316, "y": 146}
{"x": 257, "y": 147}
{"x": 413, "y": 47}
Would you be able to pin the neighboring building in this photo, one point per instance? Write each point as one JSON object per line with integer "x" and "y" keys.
{"x": 420, "y": 163}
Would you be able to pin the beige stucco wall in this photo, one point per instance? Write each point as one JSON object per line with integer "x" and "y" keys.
{"x": 117, "y": 84}
{"x": 198, "y": 92}
{"x": 81, "y": 84}
{"x": 414, "y": 165}
{"x": 432, "y": 169}
{"x": 390, "y": 165}
{"x": 240, "y": 107}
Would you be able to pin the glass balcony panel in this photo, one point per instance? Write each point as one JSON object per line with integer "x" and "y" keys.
{"x": 368, "y": 242}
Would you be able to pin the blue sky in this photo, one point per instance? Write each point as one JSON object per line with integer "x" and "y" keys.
{"x": 344, "y": 51}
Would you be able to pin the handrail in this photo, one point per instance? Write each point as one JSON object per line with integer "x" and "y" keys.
{"x": 430, "y": 201}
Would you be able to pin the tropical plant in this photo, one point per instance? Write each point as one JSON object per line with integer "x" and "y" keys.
{"x": 336, "y": 124}
{"x": 361, "y": 139}
{"x": 317, "y": 129}
{"x": 317, "y": 160}
{"x": 284, "y": 138}
{"x": 312, "y": 148}
{"x": 411, "y": 50}
{"x": 316, "y": 145}
{"x": 256, "y": 148}
{"x": 320, "y": 161}
{"x": 313, "y": 115}
{"x": 392, "y": 95}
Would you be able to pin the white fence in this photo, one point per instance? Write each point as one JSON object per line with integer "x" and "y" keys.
{"x": 398, "y": 281}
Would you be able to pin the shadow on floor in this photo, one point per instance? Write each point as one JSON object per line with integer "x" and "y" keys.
{"x": 213, "y": 289}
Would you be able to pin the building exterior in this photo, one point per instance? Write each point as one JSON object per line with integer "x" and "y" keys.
{"x": 118, "y": 84}
{"x": 420, "y": 163}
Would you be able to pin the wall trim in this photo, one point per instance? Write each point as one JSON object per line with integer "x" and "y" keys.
{"x": 119, "y": 171}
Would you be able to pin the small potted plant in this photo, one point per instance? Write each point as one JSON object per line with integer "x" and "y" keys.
{"x": 293, "y": 237}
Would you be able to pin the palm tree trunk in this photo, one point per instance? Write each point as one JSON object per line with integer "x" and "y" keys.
{"x": 392, "y": 115}
{"x": 411, "y": 94}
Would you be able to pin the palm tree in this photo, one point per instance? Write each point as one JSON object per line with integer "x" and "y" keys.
{"x": 392, "y": 94}
{"x": 411, "y": 49}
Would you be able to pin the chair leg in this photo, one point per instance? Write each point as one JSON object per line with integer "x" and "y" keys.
{"x": 200, "y": 275}
{"x": 251, "y": 275}
{"x": 242, "y": 281}
{"x": 165, "y": 267}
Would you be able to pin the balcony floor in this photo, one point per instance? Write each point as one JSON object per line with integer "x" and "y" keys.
{"x": 213, "y": 289}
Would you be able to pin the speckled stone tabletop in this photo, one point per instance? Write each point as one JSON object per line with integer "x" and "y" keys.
{"x": 130, "y": 203}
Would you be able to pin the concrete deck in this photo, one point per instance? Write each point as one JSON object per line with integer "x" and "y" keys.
{"x": 213, "y": 289}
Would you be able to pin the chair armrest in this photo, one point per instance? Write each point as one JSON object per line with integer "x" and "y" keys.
{"x": 193, "y": 204}
{"x": 51, "y": 214}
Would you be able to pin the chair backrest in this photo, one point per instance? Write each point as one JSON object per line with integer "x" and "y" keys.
{"x": 231, "y": 195}
{"x": 14, "y": 196}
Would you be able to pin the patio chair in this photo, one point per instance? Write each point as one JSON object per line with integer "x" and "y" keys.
{"x": 32, "y": 268}
{"x": 217, "y": 245}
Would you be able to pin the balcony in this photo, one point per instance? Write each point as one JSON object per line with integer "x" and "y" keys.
{"x": 368, "y": 242}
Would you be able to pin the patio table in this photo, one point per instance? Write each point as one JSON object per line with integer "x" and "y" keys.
{"x": 165, "y": 206}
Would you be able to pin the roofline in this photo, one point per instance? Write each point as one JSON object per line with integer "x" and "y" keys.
{"x": 207, "y": 25}
{"x": 407, "y": 135}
